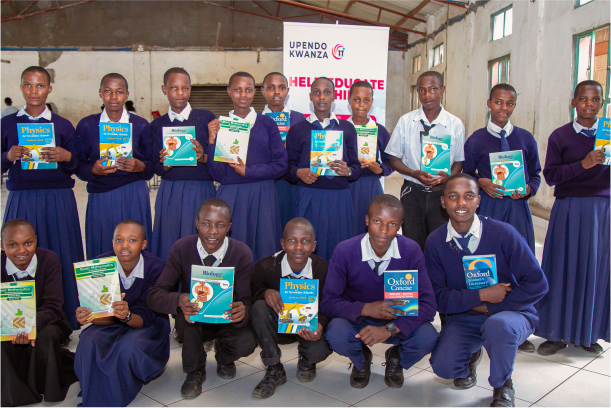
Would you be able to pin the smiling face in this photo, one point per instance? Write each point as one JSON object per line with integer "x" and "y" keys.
{"x": 35, "y": 88}
{"x": 114, "y": 94}
{"x": 128, "y": 241}
{"x": 360, "y": 102}
{"x": 298, "y": 242}
{"x": 501, "y": 106}
{"x": 242, "y": 91}
{"x": 430, "y": 92}
{"x": 178, "y": 91}
{"x": 588, "y": 102}
{"x": 275, "y": 90}
{"x": 461, "y": 199}
{"x": 212, "y": 225}
{"x": 383, "y": 223}
{"x": 19, "y": 243}
{"x": 322, "y": 97}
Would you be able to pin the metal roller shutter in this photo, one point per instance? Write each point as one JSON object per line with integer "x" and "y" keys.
{"x": 215, "y": 99}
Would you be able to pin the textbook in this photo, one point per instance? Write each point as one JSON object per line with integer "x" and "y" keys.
{"x": 282, "y": 120}
{"x": 326, "y": 146}
{"x": 212, "y": 290}
{"x": 178, "y": 142}
{"x": 35, "y": 136}
{"x": 508, "y": 171}
{"x": 18, "y": 304}
{"x": 367, "y": 142}
{"x": 232, "y": 140}
{"x": 435, "y": 154}
{"x": 300, "y": 298}
{"x": 98, "y": 285}
{"x": 480, "y": 271}
{"x": 603, "y": 142}
{"x": 402, "y": 285}
{"x": 115, "y": 142}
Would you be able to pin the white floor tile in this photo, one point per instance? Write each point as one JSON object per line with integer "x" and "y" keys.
{"x": 144, "y": 401}
{"x": 571, "y": 355}
{"x": 601, "y": 364}
{"x": 584, "y": 389}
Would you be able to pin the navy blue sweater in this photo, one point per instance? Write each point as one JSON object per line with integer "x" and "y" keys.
{"x": 88, "y": 152}
{"x": 199, "y": 118}
{"x": 384, "y": 160}
{"x": 295, "y": 117}
{"x": 19, "y": 179}
{"x": 515, "y": 264}
{"x": 298, "y": 144}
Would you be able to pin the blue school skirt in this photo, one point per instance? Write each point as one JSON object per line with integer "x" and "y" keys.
{"x": 255, "y": 216}
{"x": 176, "y": 209}
{"x": 362, "y": 191}
{"x": 331, "y": 213}
{"x": 514, "y": 212}
{"x": 106, "y": 210}
{"x": 54, "y": 215}
{"x": 576, "y": 264}
{"x": 113, "y": 362}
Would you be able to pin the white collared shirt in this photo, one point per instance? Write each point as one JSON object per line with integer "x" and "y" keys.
{"x": 326, "y": 121}
{"x": 137, "y": 272}
{"x": 11, "y": 269}
{"x": 495, "y": 130}
{"x": 405, "y": 140}
{"x": 369, "y": 255}
{"x": 475, "y": 231}
{"x": 576, "y": 125}
{"x": 124, "y": 117}
{"x": 287, "y": 271}
{"x": 46, "y": 114}
{"x": 219, "y": 254}
{"x": 251, "y": 117}
{"x": 182, "y": 116}
{"x": 370, "y": 123}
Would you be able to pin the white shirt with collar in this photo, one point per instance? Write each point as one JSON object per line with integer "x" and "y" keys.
{"x": 219, "y": 254}
{"x": 124, "y": 117}
{"x": 287, "y": 271}
{"x": 369, "y": 255}
{"x": 576, "y": 125}
{"x": 405, "y": 140}
{"x": 370, "y": 123}
{"x": 137, "y": 272}
{"x": 46, "y": 114}
{"x": 182, "y": 116}
{"x": 251, "y": 117}
{"x": 475, "y": 231}
{"x": 268, "y": 110}
{"x": 11, "y": 269}
{"x": 495, "y": 130}
{"x": 326, "y": 121}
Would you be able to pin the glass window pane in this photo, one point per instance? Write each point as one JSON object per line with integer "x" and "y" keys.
{"x": 583, "y": 59}
{"x": 582, "y": 2}
{"x": 508, "y": 21}
{"x": 441, "y": 54}
{"x": 497, "y": 27}
{"x": 419, "y": 63}
{"x": 502, "y": 68}
{"x": 495, "y": 74}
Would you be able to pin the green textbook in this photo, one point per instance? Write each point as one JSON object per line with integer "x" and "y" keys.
{"x": 367, "y": 142}
{"x": 508, "y": 171}
{"x": 212, "y": 290}
{"x": 18, "y": 309}
{"x": 177, "y": 141}
{"x": 232, "y": 140}
{"x": 98, "y": 285}
{"x": 435, "y": 154}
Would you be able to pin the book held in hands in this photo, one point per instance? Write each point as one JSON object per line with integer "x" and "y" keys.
{"x": 98, "y": 285}
{"x": 603, "y": 142}
{"x": 282, "y": 120}
{"x": 300, "y": 298}
{"x": 326, "y": 146}
{"x": 402, "y": 285}
{"x": 36, "y": 136}
{"x": 115, "y": 142}
{"x": 212, "y": 290}
{"x": 367, "y": 142}
{"x": 435, "y": 154}
{"x": 232, "y": 140}
{"x": 480, "y": 271}
{"x": 177, "y": 140}
{"x": 18, "y": 309}
{"x": 508, "y": 171}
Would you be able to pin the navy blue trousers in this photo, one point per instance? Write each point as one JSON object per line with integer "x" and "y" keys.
{"x": 464, "y": 334}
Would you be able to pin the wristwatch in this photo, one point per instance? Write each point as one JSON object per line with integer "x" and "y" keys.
{"x": 392, "y": 329}
{"x": 129, "y": 317}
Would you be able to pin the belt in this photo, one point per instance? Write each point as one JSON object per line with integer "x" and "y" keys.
{"x": 422, "y": 187}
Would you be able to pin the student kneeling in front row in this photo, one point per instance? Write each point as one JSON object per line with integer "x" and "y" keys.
{"x": 210, "y": 247}
{"x": 353, "y": 297}
{"x": 499, "y": 317}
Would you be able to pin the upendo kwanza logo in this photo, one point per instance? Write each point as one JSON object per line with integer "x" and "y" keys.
{"x": 299, "y": 49}
{"x": 338, "y": 51}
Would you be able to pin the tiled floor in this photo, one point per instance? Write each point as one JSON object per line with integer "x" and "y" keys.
{"x": 572, "y": 377}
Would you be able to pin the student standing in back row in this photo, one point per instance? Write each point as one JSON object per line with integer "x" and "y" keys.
{"x": 118, "y": 192}
{"x": 421, "y": 192}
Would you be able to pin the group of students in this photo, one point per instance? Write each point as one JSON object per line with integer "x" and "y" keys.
{"x": 276, "y": 201}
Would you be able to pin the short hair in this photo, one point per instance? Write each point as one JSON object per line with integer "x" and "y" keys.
{"x": 360, "y": 84}
{"x": 584, "y": 84}
{"x": 38, "y": 70}
{"x": 275, "y": 73}
{"x": 322, "y": 77}
{"x": 241, "y": 74}
{"x": 133, "y": 222}
{"x": 434, "y": 74}
{"x": 129, "y": 106}
{"x": 299, "y": 221}
{"x": 114, "y": 75}
{"x": 17, "y": 222}
{"x": 213, "y": 202}
{"x": 8, "y": 101}
{"x": 386, "y": 200}
{"x": 175, "y": 70}
{"x": 502, "y": 87}
{"x": 460, "y": 176}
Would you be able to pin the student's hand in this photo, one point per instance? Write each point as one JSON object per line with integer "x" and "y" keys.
{"x": 16, "y": 153}
{"x": 371, "y": 335}
{"x": 383, "y": 309}
{"x": 213, "y": 129}
{"x": 237, "y": 312}
{"x": 188, "y": 308}
{"x": 481, "y": 309}
{"x": 131, "y": 165}
{"x": 375, "y": 167}
{"x": 199, "y": 151}
{"x": 121, "y": 308}
{"x": 425, "y": 178}
{"x": 99, "y": 170}
{"x": 308, "y": 335}
{"x": 84, "y": 316}
{"x": 495, "y": 293}
{"x": 163, "y": 153}
{"x": 239, "y": 167}
{"x": 490, "y": 188}
{"x": 443, "y": 177}
{"x": 307, "y": 176}
{"x": 518, "y": 196}
{"x": 22, "y": 339}
{"x": 340, "y": 167}
{"x": 274, "y": 300}
{"x": 592, "y": 159}
{"x": 55, "y": 154}
{"x": 364, "y": 163}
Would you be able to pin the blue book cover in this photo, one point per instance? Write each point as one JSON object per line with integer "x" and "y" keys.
{"x": 402, "y": 285}
{"x": 603, "y": 142}
{"x": 179, "y": 146}
{"x": 212, "y": 290}
{"x": 115, "y": 142}
{"x": 282, "y": 120}
{"x": 326, "y": 146}
{"x": 480, "y": 271}
{"x": 435, "y": 154}
{"x": 35, "y": 136}
{"x": 507, "y": 170}
{"x": 300, "y": 298}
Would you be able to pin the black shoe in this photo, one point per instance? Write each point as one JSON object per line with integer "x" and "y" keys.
{"x": 471, "y": 379}
{"x": 504, "y": 396}
{"x": 225, "y": 371}
{"x": 275, "y": 376}
{"x": 393, "y": 375}
{"x": 527, "y": 347}
{"x": 192, "y": 386}
{"x": 305, "y": 372}
{"x": 547, "y": 348}
{"x": 594, "y": 348}
{"x": 360, "y": 378}
{"x": 208, "y": 345}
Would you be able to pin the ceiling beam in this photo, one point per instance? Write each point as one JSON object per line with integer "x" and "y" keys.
{"x": 5, "y": 19}
{"x": 390, "y": 11}
{"x": 453, "y": 3}
{"x": 411, "y": 14}
{"x": 349, "y": 5}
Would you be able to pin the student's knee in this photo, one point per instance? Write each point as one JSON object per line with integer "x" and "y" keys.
{"x": 49, "y": 335}
{"x": 497, "y": 327}
{"x": 339, "y": 332}
{"x": 316, "y": 351}
{"x": 426, "y": 338}
{"x": 259, "y": 311}
{"x": 245, "y": 342}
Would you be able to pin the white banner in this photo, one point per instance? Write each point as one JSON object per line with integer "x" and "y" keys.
{"x": 343, "y": 53}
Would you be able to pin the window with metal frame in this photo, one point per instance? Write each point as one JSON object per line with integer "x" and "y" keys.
{"x": 215, "y": 99}
{"x": 579, "y": 3}
{"x": 499, "y": 71}
{"x": 416, "y": 64}
{"x": 592, "y": 61}
{"x": 437, "y": 56}
{"x": 502, "y": 23}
